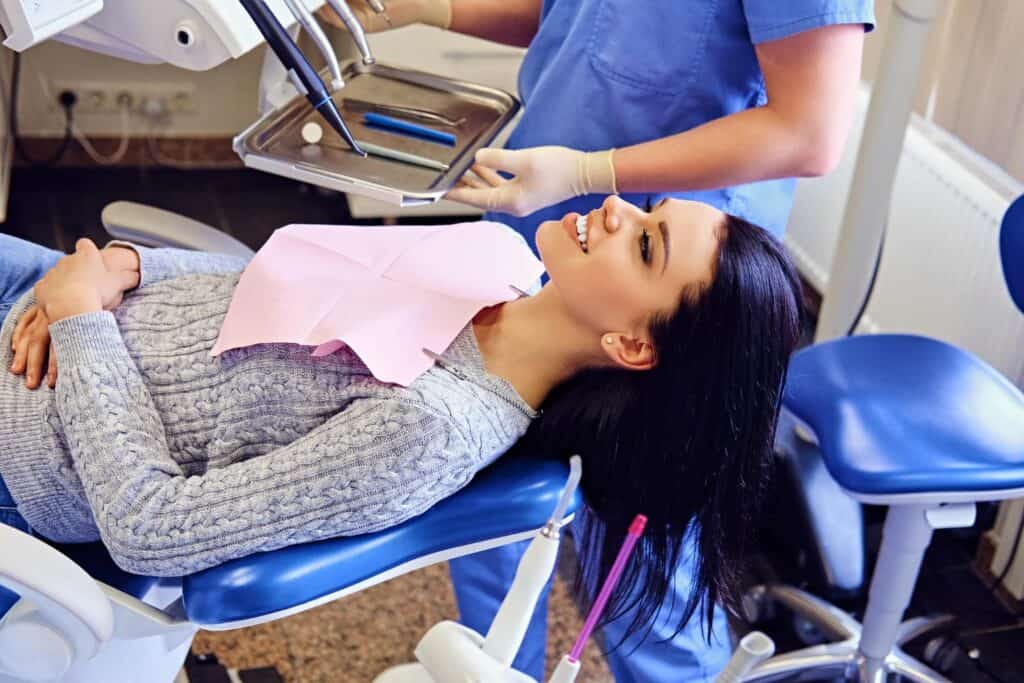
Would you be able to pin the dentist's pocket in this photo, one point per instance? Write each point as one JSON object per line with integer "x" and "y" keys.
{"x": 655, "y": 46}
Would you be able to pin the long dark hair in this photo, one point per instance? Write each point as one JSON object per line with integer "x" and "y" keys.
{"x": 687, "y": 443}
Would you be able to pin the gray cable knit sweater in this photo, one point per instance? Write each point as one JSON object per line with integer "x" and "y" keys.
{"x": 180, "y": 461}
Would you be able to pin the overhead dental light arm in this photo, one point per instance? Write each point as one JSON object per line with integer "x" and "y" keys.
{"x": 867, "y": 209}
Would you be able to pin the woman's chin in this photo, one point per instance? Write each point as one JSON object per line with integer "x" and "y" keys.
{"x": 546, "y": 235}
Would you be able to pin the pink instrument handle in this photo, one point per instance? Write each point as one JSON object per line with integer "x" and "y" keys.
{"x": 632, "y": 536}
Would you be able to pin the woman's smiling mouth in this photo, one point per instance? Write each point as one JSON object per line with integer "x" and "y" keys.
{"x": 577, "y": 227}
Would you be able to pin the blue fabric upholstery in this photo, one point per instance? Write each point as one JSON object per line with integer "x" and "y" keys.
{"x": 900, "y": 414}
{"x": 513, "y": 496}
{"x": 1011, "y": 247}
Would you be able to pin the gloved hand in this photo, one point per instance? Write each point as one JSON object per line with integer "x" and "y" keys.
{"x": 543, "y": 176}
{"x": 400, "y": 12}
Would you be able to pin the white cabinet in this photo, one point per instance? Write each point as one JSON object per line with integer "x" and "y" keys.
{"x": 430, "y": 49}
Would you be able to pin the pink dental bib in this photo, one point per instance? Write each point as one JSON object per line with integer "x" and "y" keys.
{"x": 386, "y": 292}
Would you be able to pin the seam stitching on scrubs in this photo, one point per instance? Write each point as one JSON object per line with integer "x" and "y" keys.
{"x": 778, "y": 31}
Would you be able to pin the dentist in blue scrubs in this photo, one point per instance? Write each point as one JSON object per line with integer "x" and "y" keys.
{"x": 722, "y": 101}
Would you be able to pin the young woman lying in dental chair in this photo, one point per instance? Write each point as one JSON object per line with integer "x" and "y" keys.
{"x": 657, "y": 351}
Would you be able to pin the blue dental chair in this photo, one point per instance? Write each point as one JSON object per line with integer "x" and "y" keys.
{"x": 83, "y": 620}
{"x": 921, "y": 427}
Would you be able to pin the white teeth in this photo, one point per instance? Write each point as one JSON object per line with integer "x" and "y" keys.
{"x": 581, "y": 231}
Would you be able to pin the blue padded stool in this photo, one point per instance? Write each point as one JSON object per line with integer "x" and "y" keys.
{"x": 924, "y": 428}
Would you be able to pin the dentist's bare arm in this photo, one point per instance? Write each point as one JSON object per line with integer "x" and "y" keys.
{"x": 512, "y": 22}
{"x": 811, "y": 80}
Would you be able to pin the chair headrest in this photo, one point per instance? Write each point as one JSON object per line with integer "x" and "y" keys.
{"x": 1011, "y": 249}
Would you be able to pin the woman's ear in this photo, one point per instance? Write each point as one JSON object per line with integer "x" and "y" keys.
{"x": 628, "y": 352}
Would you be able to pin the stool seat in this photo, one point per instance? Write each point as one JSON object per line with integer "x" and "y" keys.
{"x": 513, "y": 497}
{"x": 900, "y": 414}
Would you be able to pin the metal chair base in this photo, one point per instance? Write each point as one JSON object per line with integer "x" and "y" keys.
{"x": 842, "y": 660}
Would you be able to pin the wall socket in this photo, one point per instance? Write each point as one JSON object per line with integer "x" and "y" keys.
{"x": 104, "y": 97}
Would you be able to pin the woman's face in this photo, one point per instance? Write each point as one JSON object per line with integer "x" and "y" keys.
{"x": 636, "y": 264}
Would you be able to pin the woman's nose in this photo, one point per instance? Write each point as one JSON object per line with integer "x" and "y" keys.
{"x": 613, "y": 208}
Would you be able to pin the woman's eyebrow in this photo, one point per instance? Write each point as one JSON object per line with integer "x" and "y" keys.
{"x": 663, "y": 229}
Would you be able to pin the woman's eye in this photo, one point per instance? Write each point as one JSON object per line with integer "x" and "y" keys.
{"x": 645, "y": 246}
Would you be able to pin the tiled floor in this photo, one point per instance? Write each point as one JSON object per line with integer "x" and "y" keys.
{"x": 356, "y": 637}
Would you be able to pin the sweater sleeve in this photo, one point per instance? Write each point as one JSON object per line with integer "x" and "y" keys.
{"x": 158, "y": 264}
{"x": 372, "y": 466}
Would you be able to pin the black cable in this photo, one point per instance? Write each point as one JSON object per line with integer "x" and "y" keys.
{"x": 67, "y": 102}
{"x": 871, "y": 285}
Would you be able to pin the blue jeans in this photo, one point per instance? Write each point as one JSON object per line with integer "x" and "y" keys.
{"x": 22, "y": 264}
{"x": 482, "y": 580}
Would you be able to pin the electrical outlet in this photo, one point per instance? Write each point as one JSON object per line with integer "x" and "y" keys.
{"x": 104, "y": 97}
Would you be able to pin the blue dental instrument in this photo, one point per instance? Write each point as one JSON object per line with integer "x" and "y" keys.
{"x": 304, "y": 76}
{"x": 413, "y": 129}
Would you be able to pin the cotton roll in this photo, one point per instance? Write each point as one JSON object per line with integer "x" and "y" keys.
{"x": 312, "y": 133}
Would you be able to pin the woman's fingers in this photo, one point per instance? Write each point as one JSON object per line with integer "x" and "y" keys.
{"x": 36, "y": 361}
{"x": 32, "y": 351}
{"x": 23, "y": 322}
{"x": 129, "y": 279}
{"x": 51, "y": 371}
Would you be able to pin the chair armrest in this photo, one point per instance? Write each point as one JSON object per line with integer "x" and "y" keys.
{"x": 150, "y": 226}
{"x": 66, "y": 597}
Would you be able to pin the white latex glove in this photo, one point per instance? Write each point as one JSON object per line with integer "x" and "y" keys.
{"x": 543, "y": 176}
{"x": 400, "y": 12}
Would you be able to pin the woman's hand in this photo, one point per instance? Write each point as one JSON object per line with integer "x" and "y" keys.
{"x": 32, "y": 350}
{"x": 123, "y": 260}
{"x": 543, "y": 176}
{"x": 31, "y": 341}
{"x": 398, "y": 13}
{"x": 80, "y": 283}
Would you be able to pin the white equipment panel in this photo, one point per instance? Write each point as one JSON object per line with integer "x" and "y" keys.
{"x": 27, "y": 22}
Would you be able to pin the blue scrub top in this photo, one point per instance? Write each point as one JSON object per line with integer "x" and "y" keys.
{"x": 613, "y": 73}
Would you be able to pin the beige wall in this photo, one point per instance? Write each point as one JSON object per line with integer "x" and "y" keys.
{"x": 981, "y": 89}
{"x": 972, "y": 82}
{"x": 226, "y": 95}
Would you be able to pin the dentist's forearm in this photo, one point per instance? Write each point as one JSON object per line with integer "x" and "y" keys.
{"x": 512, "y": 22}
{"x": 749, "y": 146}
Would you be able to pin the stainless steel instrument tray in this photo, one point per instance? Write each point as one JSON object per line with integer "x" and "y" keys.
{"x": 274, "y": 143}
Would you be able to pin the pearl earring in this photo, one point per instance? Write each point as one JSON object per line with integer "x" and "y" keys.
{"x": 609, "y": 340}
